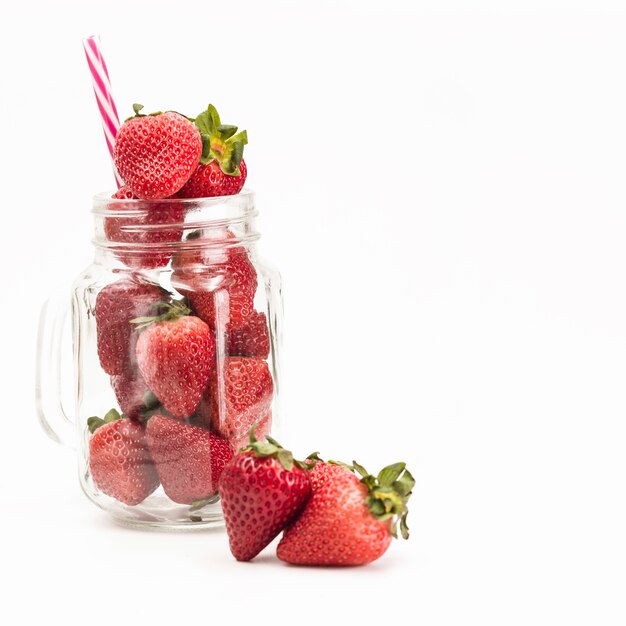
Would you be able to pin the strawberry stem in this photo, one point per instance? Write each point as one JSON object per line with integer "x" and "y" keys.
{"x": 138, "y": 107}
{"x": 271, "y": 448}
{"x": 220, "y": 142}
{"x": 168, "y": 311}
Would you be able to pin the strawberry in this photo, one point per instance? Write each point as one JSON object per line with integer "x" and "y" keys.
{"x": 215, "y": 277}
{"x": 252, "y": 339}
{"x": 156, "y": 154}
{"x": 116, "y": 305}
{"x": 235, "y": 296}
{"x": 202, "y": 253}
{"x": 119, "y": 461}
{"x": 133, "y": 395}
{"x": 240, "y": 396}
{"x": 157, "y": 223}
{"x": 189, "y": 459}
{"x": 348, "y": 521}
{"x": 222, "y": 171}
{"x": 261, "y": 429}
{"x": 262, "y": 491}
{"x": 209, "y": 180}
{"x": 176, "y": 356}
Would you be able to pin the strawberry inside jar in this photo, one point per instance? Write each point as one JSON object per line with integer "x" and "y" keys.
{"x": 176, "y": 323}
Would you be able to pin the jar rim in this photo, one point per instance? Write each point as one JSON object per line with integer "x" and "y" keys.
{"x": 104, "y": 204}
{"x": 138, "y": 227}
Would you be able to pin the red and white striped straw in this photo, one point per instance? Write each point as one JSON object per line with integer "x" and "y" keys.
{"x": 104, "y": 97}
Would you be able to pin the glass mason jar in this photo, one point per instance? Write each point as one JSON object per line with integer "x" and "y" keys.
{"x": 176, "y": 328}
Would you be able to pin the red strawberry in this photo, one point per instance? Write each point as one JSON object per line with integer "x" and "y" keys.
{"x": 156, "y": 154}
{"x": 119, "y": 461}
{"x": 116, "y": 305}
{"x": 189, "y": 459}
{"x": 261, "y": 429}
{"x": 262, "y": 491}
{"x": 176, "y": 356}
{"x": 157, "y": 223}
{"x": 216, "y": 277}
{"x": 133, "y": 395}
{"x": 209, "y": 180}
{"x": 222, "y": 171}
{"x": 124, "y": 193}
{"x": 240, "y": 396}
{"x": 234, "y": 299}
{"x": 348, "y": 521}
{"x": 200, "y": 253}
{"x": 252, "y": 339}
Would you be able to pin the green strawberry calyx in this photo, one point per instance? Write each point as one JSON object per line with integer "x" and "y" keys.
{"x": 388, "y": 493}
{"x": 220, "y": 142}
{"x": 271, "y": 448}
{"x": 93, "y": 423}
{"x": 165, "y": 311}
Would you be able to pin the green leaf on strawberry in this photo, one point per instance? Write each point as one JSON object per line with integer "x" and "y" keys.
{"x": 388, "y": 493}
{"x": 220, "y": 142}
{"x": 226, "y": 130}
{"x": 208, "y": 121}
{"x": 93, "y": 423}
{"x": 215, "y": 116}
{"x": 166, "y": 311}
{"x": 388, "y": 475}
{"x": 206, "y": 157}
{"x": 204, "y": 123}
{"x": 242, "y": 137}
{"x": 271, "y": 448}
{"x": 232, "y": 158}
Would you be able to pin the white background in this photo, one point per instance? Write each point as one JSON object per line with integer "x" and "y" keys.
{"x": 442, "y": 185}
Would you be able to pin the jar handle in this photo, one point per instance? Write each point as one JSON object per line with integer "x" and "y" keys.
{"x": 50, "y": 342}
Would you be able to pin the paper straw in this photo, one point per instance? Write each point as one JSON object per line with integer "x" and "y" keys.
{"x": 104, "y": 97}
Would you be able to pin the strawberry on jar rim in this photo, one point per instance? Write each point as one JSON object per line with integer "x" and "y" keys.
{"x": 156, "y": 154}
{"x": 222, "y": 170}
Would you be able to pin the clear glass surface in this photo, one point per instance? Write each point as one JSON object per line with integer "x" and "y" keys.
{"x": 203, "y": 254}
